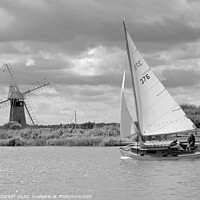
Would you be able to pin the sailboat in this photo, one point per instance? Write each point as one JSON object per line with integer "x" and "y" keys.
{"x": 157, "y": 113}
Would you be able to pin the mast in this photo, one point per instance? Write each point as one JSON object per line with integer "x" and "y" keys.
{"x": 75, "y": 121}
{"x": 132, "y": 80}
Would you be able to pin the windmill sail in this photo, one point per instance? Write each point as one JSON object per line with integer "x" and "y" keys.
{"x": 158, "y": 113}
{"x": 30, "y": 112}
{"x": 127, "y": 126}
{"x": 11, "y": 80}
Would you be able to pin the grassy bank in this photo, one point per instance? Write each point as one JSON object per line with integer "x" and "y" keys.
{"x": 87, "y": 134}
{"x": 103, "y": 136}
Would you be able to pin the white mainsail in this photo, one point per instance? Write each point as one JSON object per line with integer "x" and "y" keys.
{"x": 127, "y": 126}
{"x": 158, "y": 113}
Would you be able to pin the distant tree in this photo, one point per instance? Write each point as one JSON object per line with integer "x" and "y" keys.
{"x": 87, "y": 125}
{"x": 193, "y": 113}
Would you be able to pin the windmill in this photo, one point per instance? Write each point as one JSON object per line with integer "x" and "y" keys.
{"x": 18, "y": 102}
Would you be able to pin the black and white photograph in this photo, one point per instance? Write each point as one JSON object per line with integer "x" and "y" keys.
{"x": 100, "y": 99}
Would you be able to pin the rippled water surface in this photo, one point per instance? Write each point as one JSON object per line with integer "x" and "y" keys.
{"x": 93, "y": 173}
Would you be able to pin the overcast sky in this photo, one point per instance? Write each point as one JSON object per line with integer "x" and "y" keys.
{"x": 79, "y": 47}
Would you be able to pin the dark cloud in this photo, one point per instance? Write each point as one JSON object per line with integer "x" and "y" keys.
{"x": 167, "y": 31}
{"x": 91, "y": 93}
{"x": 181, "y": 78}
{"x": 81, "y": 24}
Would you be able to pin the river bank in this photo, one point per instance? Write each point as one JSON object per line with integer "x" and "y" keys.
{"x": 87, "y": 134}
{"x": 104, "y": 136}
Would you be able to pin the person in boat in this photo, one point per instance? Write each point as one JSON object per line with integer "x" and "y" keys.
{"x": 175, "y": 145}
{"x": 191, "y": 142}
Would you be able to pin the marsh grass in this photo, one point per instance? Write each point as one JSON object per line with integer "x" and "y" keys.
{"x": 87, "y": 134}
{"x": 98, "y": 136}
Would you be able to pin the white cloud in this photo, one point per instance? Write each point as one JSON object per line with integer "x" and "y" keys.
{"x": 30, "y": 62}
{"x": 97, "y": 61}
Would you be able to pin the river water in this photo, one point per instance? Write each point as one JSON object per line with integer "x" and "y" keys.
{"x": 94, "y": 173}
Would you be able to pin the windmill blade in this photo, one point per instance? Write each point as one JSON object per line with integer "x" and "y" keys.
{"x": 30, "y": 112}
{"x": 10, "y": 77}
{"x": 4, "y": 103}
{"x": 36, "y": 87}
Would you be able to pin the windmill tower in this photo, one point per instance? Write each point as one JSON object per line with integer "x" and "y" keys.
{"x": 18, "y": 102}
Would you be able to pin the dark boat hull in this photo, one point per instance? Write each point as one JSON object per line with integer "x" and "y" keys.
{"x": 158, "y": 152}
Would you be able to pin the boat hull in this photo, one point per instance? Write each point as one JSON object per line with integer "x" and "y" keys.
{"x": 158, "y": 153}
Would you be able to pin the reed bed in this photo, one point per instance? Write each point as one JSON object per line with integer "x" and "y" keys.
{"x": 87, "y": 134}
{"x": 103, "y": 136}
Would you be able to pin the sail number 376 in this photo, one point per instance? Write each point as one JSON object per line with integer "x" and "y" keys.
{"x": 144, "y": 78}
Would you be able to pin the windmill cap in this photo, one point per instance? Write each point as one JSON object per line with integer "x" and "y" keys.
{"x": 16, "y": 95}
